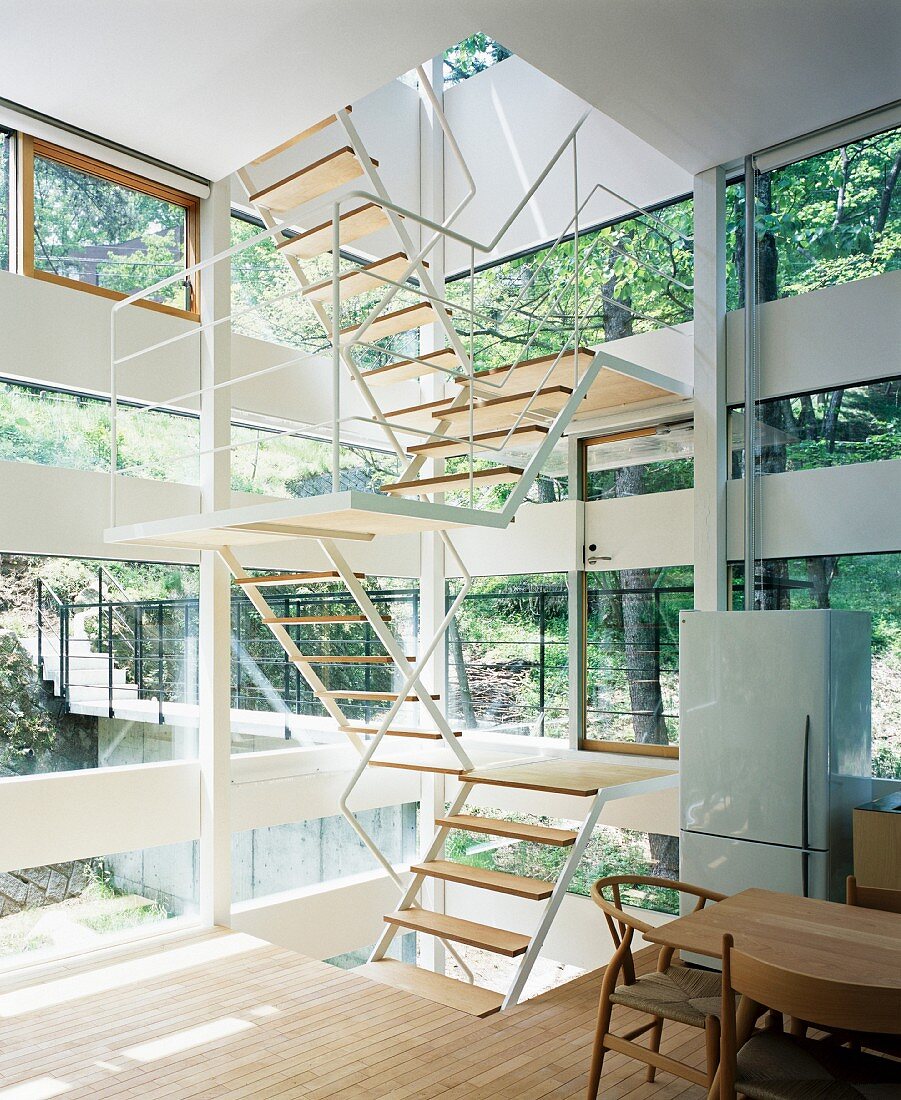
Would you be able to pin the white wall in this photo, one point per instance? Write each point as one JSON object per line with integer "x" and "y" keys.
{"x": 835, "y": 510}
{"x": 508, "y": 121}
{"x": 78, "y": 815}
{"x": 822, "y": 339}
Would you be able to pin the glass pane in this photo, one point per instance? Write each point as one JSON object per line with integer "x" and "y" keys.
{"x": 473, "y": 55}
{"x": 633, "y": 653}
{"x": 658, "y": 462}
{"x": 264, "y": 461}
{"x": 306, "y": 853}
{"x": 507, "y": 656}
{"x": 98, "y": 232}
{"x": 853, "y": 582}
{"x": 830, "y": 428}
{"x": 5, "y": 160}
{"x": 65, "y": 908}
{"x": 829, "y": 219}
{"x": 633, "y": 277}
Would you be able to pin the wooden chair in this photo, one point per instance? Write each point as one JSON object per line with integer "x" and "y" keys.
{"x": 672, "y": 992}
{"x": 771, "y": 1065}
{"x": 872, "y": 897}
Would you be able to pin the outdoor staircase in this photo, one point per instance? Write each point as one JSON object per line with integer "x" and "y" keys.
{"x": 511, "y": 416}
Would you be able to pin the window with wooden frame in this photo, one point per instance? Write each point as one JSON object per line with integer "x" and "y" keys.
{"x": 99, "y": 228}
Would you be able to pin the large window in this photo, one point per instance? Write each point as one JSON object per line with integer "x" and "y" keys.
{"x": 634, "y": 276}
{"x": 830, "y": 428}
{"x": 821, "y": 221}
{"x": 99, "y": 227}
{"x": 632, "y": 658}
{"x": 54, "y": 427}
{"x": 507, "y": 656}
{"x": 854, "y": 582}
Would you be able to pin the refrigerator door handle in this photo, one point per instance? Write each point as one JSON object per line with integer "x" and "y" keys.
{"x": 805, "y": 789}
{"x": 805, "y": 874}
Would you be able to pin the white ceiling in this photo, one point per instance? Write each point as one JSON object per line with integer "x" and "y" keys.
{"x": 209, "y": 84}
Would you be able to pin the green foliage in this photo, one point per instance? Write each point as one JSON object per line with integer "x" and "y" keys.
{"x": 610, "y": 851}
{"x": 97, "y": 231}
{"x": 833, "y": 218}
{"x": 472, "y": 55}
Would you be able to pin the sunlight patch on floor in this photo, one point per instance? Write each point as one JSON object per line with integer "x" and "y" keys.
{"x": 34, "y": 998}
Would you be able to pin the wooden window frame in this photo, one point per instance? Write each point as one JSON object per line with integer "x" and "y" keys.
{"x": 626, "y": 748}
{"x": 30, "y": 147}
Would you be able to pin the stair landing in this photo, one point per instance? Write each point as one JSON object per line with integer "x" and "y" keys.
{"x": 349, "y": 515}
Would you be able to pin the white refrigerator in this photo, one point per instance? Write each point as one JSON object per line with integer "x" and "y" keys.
{"x": 774, "y": 747}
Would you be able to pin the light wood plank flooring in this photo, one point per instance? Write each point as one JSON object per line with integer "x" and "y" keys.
{"x": 226, "y": 1015}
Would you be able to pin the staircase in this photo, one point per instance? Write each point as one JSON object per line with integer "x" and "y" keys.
{"x": 499, "y": 425}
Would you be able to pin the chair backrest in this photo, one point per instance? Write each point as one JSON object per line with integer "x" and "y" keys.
{"x": 623, "y": 924}
{"x": 843, "y": 1006}
{"x": 872, "y": 897}
{"x": 839, "y": 1005}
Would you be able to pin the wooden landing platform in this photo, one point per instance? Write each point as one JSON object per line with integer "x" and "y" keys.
{"x": 349, "y": 515}
{"x": 225, "y": 1015}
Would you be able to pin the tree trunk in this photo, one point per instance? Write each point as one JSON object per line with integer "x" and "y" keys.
{"x": 464, "y": 693}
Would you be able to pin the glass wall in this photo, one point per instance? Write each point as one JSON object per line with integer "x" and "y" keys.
{"x": 306, "y": 853}
{"x": 822, "y": 221}
{"x": 91, "y": 229}
{"x": 855, "y": 582}
{"x": 634, "y": 276}
{"x": 53, "y": 427}
{"x": 507, "y": 656}
{"x": 82, "y": 905}
{"x": 632, "y": 659}
{"x": 831, "y": 428}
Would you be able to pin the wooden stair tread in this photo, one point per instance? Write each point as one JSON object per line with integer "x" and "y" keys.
{"x": 361, "y": 279}
{"x": 310, "y": 182}
{"x": 385, "y": 696}
{"x": 329, "y": 120}
{"x": 611, "y": 389}
{"x": 402, "y": 731}
{"x": 496, "y": 475}
{"x": 499, "y": 881}
{"x": 348, "y": 659}
{"x": 294, "y": 578}
{"x": 576, "y": 777}
{"x": 401, "y": 320}
{"x": 297, "y": 620}
{"x": 417, "y": 416}
{"x": 356, "y": 223}
{"x": 500, "y": 411}
{"x": 435, "y": 765}
{"x": 540, "y": 834}
{"x": 497, "y": 940}
{"x": 471, "y": 999}
{"x": 405, "y": 369}
{"x": 530, "y": 373}
{"x": 526, "y": 435}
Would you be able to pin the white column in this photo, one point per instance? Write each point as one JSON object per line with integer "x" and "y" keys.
{"x": 710, "y": 425}
{"x": 432, "y": 556}
{"x": 214, "y": 665}
{"x": 576, "y": 609}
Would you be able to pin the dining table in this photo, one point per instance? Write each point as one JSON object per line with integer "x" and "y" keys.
{"x": 805, "y": 935}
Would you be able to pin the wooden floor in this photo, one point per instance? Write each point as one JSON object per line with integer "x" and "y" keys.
{"x": 226, "y": 1015}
